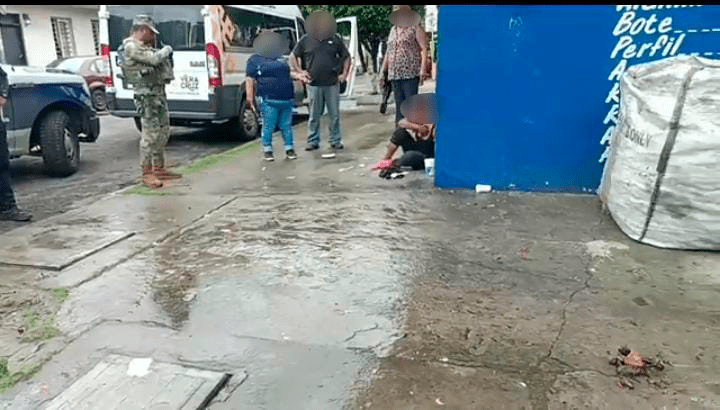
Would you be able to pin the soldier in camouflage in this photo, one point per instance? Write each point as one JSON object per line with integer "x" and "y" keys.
{"x": 148, "y": 70}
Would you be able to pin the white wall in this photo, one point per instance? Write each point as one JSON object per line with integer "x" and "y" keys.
{"x": 38, "y": 36}
{"x": 431, "y": 14}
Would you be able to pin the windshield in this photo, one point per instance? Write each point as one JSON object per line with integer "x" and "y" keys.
{"x": 180, "y": 27}
{"x": 72, "y": 64}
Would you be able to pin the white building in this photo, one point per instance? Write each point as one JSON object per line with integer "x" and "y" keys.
{"x": 38, "y": 34}
{"x": 431, "y": 15}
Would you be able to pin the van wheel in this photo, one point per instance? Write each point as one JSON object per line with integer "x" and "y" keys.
{"x": 98, "y": 98}
{"x": 138, "y": 123}
{"x": 60, "y": 144}
{"x": 249, "y": 123}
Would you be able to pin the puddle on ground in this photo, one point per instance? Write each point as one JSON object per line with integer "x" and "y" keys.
{"x": 326, "y": 270}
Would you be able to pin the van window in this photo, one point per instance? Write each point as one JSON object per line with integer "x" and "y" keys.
{"x": 248, "y": 24}
{"x": 284, "y": 26}
{"x": 301, "y": 28}
{"x": 180, "y": 27}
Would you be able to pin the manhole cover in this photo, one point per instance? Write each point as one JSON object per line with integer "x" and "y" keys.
{"x": 121, "y": 382}
{"x": 55, "y": 248}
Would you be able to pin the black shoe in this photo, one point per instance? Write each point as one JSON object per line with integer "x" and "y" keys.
{"x": 291, "y": 154}
{"x": 15, "y": 214}
{"x": 337, "y": 146}
{"x": 311, "y": 147}
{"x": 383, "y": 108}
{"x": 269, "y": 156}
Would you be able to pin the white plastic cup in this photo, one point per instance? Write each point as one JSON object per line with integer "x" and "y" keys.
{"x": 480, "y": 188}
{"x": 430, "y": 166}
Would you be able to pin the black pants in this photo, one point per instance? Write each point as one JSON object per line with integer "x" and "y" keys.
{"x": 403, "y": 89}
{"x": 414, "y": 152}
{"x": 7, "y": 197}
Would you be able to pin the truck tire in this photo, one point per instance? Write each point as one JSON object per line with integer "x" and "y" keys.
{"x": 99, "y": 100}
{"x": 60, "y": 144}
{"x": 248, "y": 122}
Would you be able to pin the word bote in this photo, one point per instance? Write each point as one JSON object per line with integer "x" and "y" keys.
{"x": 658, "y": 40}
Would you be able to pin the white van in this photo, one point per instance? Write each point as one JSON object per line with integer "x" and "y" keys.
{"x": 211, "y": 45}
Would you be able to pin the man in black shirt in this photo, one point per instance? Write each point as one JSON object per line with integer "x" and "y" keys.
{"x": 322, "y": 55}
{"x": 8, "y": 208}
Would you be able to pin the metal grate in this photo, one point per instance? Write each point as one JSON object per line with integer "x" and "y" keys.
{"x": 96, "y": 35}
{"x": 64, "y": 38}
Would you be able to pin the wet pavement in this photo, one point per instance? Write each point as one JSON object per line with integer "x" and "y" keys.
{"x": 107, "y": 165}
{"x": 320, "y": 286}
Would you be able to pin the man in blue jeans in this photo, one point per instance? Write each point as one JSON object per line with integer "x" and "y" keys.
{"x": 322, "y": 57}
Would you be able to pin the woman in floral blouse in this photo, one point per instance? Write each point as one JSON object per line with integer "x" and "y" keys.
{"x": 406, "y": 58}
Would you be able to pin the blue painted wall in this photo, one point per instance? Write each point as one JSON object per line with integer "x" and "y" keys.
{"x": 524, "y": 89}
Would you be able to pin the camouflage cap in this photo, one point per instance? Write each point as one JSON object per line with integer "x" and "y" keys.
{"x": 143, "y": 20}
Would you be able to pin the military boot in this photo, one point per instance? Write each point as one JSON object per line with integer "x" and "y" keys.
{"x": 151, "y": 180}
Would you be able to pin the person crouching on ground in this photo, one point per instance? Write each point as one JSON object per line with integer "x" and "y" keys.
{"x": 269, "y": 79}
{"x": 420, "y": 117}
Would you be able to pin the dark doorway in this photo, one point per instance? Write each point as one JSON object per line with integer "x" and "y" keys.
{"x": 12, "y": 40}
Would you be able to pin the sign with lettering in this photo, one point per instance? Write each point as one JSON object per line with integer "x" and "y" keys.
{"x": 648, "y": 32}
{"x": 532, "y": 92}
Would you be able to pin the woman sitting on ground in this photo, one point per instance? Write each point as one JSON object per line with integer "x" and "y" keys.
{"x": 415, "y": 149}
{"x": 420, "y": 117}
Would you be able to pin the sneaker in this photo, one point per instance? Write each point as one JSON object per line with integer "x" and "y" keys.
{"x": 311, "y": 147}
{"x": 291, "y": 154}
{"x": 15, "y": 214}
{"x": 269, "y": 156}
{"x": 337, "y": 146}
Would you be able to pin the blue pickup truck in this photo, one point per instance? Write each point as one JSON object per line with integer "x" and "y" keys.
{"x": 49, "y": 112}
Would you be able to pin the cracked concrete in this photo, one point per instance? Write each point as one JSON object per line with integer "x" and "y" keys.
{"x": 330, "y": 289}
{"x": 549, "y": 319}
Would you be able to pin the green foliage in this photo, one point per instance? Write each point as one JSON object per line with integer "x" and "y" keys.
{"x": 60, "y": 294}
{"x": 4, "y": 372}
{"x": 37, "y": 329}
{"x": 8, "y": 379}
{"x": 373, "y": 20}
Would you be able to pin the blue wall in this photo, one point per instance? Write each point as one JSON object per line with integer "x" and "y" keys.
{"x": 524, "y": 89}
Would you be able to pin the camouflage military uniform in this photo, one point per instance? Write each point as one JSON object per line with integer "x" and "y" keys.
{"x": 144, "y": 68}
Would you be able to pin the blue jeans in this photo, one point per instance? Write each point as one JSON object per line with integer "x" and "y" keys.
{"x": 403, "y": 89}
{"x": 276, "y": 114}
{"x": 321, "y": 96}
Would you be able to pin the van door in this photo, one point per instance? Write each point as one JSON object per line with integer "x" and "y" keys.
{"x": 347, "y": 29}
{"x": 181, "y": 27}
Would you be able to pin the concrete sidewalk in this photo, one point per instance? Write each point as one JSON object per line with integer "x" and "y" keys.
{"x": 318, "y": 285}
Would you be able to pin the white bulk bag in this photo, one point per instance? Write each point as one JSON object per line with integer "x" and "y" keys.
{"x": 662, "y": 180}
